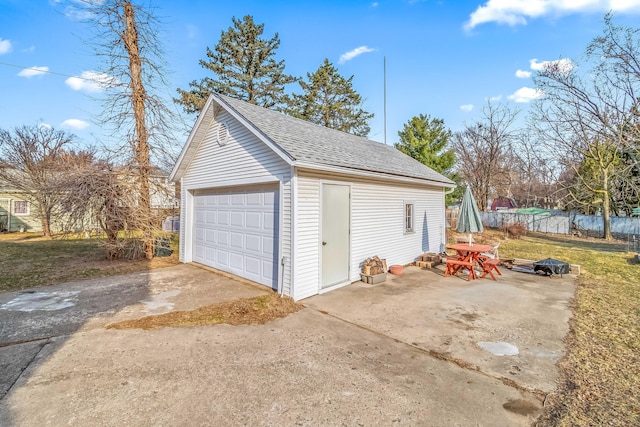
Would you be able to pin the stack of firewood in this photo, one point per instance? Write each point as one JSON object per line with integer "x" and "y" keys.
{"x": 374, "y": 265}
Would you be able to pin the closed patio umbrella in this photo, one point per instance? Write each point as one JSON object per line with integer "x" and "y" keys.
{"x": 469, "y": 220}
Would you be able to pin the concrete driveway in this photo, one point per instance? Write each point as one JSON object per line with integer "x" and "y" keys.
{"x": 60, "y": 366}
{"x": 510, "y": 329}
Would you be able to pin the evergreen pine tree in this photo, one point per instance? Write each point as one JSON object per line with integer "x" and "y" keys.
{"x": 427, "y": 140}
{"x": 244, "y": 67}
{"x": 328, "y": 99}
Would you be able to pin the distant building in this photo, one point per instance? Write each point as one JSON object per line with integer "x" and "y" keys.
{"x": 502, "y": 203}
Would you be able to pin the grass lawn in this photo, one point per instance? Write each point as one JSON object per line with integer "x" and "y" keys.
{"x": 600, "y": 374}
{"x": 28, "y": 260}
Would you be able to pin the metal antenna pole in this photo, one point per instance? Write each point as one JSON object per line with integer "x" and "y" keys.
{"x": 385, "y": 98}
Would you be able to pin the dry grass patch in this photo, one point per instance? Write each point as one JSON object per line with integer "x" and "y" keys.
{"x": 28, "y": 260}
{"x": 246, "y": 311}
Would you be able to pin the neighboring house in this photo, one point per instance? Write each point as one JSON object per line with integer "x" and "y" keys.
{"x": 502, "y": 203}
{"x": 296, "y": 206}
{"x": 17, "y": 212}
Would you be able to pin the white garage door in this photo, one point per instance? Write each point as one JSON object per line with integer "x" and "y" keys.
{"x": 237, "y": 231}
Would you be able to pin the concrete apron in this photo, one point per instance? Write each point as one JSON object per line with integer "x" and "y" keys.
{"x": 511, "y": 329}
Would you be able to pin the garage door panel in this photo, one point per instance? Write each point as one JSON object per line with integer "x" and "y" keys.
{"x": 253, "y": 220}
{"x": 198, "y": 252}
{"x": 210, "y": 255}
{"x": 236, "y": 261}
{"x": 222, "y": 258}
{"x": 237, "y": 241}
{"x": 236, "y": 231}
{"x": 253, "y": 243}
{"x": 254, "y": 199}
{"x": 223, "y": 217}
{"x": 268, "y": 269}
{"x": 268, "y": 221}
{"x": 268, "y": 245}
{"x": 237, "y": 219}
{"x": 253, "y": 265}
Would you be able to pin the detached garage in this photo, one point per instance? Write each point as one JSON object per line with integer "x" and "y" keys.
{"x": 298, "y": 207}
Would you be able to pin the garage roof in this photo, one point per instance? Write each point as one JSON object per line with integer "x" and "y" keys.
{"x": 311, "y": 144}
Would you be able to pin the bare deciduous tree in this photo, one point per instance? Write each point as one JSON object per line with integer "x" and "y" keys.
{"x": 30, "y": 163}
{"x": 483, "y": 152}
{"x": 589, "y": 117}
{"x": 133, "y": 76}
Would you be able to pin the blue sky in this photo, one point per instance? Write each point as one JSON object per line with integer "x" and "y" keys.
{"x": 444, "y": 58}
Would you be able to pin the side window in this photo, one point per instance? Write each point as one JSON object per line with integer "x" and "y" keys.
{"x": 21, "y": 207}
{"x": 409, "y": 217}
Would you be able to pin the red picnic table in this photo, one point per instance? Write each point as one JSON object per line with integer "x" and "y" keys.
{"x": 468, "y": 256}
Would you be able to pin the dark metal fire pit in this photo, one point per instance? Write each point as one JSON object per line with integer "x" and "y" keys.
{"x": 551, "y": 266}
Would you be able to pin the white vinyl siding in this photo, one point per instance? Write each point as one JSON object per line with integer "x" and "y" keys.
{"x": 377, "y": 225}
{"x": 243, "y": 158}
{"x": 243, "y": 161}
{"x": 307, "y": 269}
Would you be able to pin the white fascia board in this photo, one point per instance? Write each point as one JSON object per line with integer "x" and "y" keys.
{"x": 178, "y": 168}
{"x": 369, "y": 174}
{"x": 247, "y": 124}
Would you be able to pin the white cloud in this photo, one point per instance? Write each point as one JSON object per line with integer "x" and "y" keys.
{"x": 466, "y": 107}
{"x": 91, "y": 81}
{"x": 33, "y": 71}
{"x": 353, "y": 53}
{"x": 5, "y": 46}
{"x": 30, "y": 49}
{"x": 525, "y": 94}
{"x": 521, "y": 74}
{"x": 517, "y": 12}
{"x": 374, "y": 4}
{"x": 496, "y": 98}
{"x": 564, "y": 65}
{"x": 74, "y": 124}
{"x": 43, "y": 125}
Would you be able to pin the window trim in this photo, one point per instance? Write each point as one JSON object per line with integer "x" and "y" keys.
{"x": 28, "y": 210}
{"x": 409, "y": 221}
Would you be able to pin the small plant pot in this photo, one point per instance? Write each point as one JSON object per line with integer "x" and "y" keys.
{"x": 396, "y": 269}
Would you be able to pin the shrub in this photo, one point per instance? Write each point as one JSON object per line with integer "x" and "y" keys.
{"x": 515, "y": 230}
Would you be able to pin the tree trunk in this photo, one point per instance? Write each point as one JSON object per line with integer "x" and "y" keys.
{"x": 45, "y": 217}
{"x": 141, "y": 146}
{"x": 606, "y": 207}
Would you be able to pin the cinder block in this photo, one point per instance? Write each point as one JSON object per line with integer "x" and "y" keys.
{"x": 574, "y": 269}
{"x": 372, "y": 280}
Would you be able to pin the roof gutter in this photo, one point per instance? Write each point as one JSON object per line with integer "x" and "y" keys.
{"x": 370, "y": 174}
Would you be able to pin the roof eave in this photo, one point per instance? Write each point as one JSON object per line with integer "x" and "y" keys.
{"x": 180, "y": 166}
{"x": 372, "y": 174}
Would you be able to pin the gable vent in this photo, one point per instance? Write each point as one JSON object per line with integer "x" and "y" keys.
{"x": 222, "y": 134}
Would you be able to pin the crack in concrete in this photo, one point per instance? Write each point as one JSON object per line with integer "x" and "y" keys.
{"x": 539, "y": 394}
{"x": 47, "y": 341}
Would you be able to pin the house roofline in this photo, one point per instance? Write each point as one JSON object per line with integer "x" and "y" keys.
{"x": 370, "y": 174}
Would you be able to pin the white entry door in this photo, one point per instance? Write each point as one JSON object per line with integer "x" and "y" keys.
{"x": 336, "y": 212}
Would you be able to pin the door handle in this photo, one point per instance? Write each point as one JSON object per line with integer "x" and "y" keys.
{"x": 324, "y": 243}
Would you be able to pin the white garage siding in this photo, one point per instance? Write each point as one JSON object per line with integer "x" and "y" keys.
{"x": 307, "y": 258}
{"x": 236, "y": 230}
{"x": 243, "y": 161}
{"x": 377, "y": 225}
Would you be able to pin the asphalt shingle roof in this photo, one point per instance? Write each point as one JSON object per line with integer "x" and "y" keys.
{"x": 307, "y": 142}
